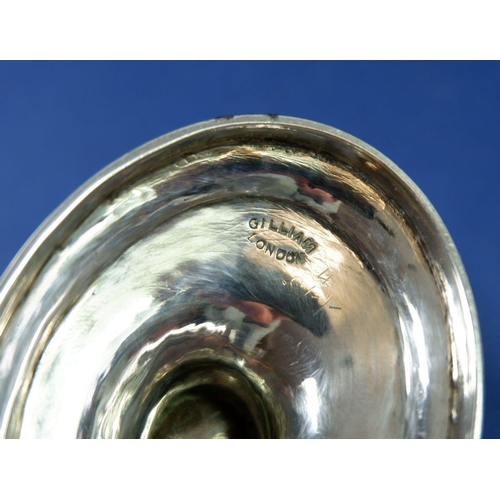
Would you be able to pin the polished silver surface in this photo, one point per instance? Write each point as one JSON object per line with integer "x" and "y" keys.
{"x": 253, "y": 276}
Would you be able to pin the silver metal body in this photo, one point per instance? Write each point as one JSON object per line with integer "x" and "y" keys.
{"x": 256, "y": 276}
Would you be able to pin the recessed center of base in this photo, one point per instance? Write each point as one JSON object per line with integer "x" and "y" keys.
{"x": 212, "y": 402}
{"x": 205, "y": 412}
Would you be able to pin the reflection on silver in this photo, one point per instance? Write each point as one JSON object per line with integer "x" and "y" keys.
{"x": 247, "y": 277}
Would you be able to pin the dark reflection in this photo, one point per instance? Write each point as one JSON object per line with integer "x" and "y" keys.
{"x": 258, "y": 293}
{"x": 205, "y": 412}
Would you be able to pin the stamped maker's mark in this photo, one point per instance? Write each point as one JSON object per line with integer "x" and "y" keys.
{"x": 306, "y": 244}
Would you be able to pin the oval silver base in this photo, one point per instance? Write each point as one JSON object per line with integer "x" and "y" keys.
{"x": 248, "y": 277}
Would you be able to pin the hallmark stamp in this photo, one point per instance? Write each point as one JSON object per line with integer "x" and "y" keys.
{"x": 306, "y": 244}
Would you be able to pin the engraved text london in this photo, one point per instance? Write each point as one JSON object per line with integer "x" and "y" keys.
{"x": 307, "y": 245}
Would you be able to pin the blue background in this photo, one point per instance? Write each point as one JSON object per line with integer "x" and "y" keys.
{"x": 61, "y": 122}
